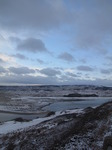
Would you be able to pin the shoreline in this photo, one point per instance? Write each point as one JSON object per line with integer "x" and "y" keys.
{"x": 24, "y": 113}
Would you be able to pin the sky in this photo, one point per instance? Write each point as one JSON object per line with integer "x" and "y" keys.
{"x": 60, "y": 42}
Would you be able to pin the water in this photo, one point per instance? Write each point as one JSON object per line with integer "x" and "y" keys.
{"x": 77, "y": 103}
{"x": 12, "y": 116}
{"x": 58, "y": 105}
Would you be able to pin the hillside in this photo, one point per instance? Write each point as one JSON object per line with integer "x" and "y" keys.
{"x": 86, "y": 129}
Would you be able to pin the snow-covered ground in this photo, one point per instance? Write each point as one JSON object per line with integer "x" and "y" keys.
{"x": 11, "y": 126}
{"x": 76, "y": 129}
{"x": 34, "y": 99}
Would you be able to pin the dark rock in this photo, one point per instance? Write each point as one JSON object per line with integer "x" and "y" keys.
{"x": 50, "y": 113}
{"x": 80, "y": 95}
{"x": 107, "y": 143}
{"x": 11, "y": 146}
{"x": 90, "y": 126}
{"x": 20, "y": 119}
{"x": 88, "y": 109}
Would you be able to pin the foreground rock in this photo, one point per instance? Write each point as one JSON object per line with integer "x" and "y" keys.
{"x": 107, "y": 145}
{"x": 70, "y": 131}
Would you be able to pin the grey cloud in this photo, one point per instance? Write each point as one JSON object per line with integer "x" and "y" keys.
{"x": 83, "y": 60}
{"x": 101, "y": 82}
{"x": 21, "y": 70}
{"x": 14, "y": 39}
{"x": 84, "y": 68}
{"x": 27, "y": 79}
{"x": 2, "y": 61}
{"x": 40, "y": 61}
{"x": 20, "y": 56}
{"x": 89, "y": 21}
{"x": 32, "y": 45}
{"x": 106, "y": 71}
{"x": 93, "y": 25}
{"x": 67, "y": 57}
{"x": 102, "y": 51}
{"x": 2, "y": 70}
{"x": 50, "y": 72}
{"x": 39, "y": 14}
{"x": 65, "y": 80}
{"x": 2, "y": 38}
{"x": 109, "y": 58}
{"x": 72, "y": 74}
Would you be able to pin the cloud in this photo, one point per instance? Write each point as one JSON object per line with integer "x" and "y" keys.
{"x": 89, "y": 21}
{"x": 2, "y": 61}
{"x": 92, "y": 27}
{"x": 84, "y": 68}
{"x": 83, "y": 60}
{"x": 50, "y": 72}
{"x": 14, "y": 39}
{"x": 106, "y": 71}
{"x": 6, "y": 58}
{"x": 2, "y": 70}
{"x": 73, "y": 75}
{"x": 98, "y": 82}
{"x": 50, "y": 80}
{"x": 32, "y": 45}
{"x": 66, "y": 57}
{"x": 27, "y": 79}
{"x": 40, "y": 61}
{"x": 20, "y": 56}
{"x": 21, "y": 70}
{"x": 39, "y": 15}
{"x": 109, "y": 58}
{"x": 79, "y": 25}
